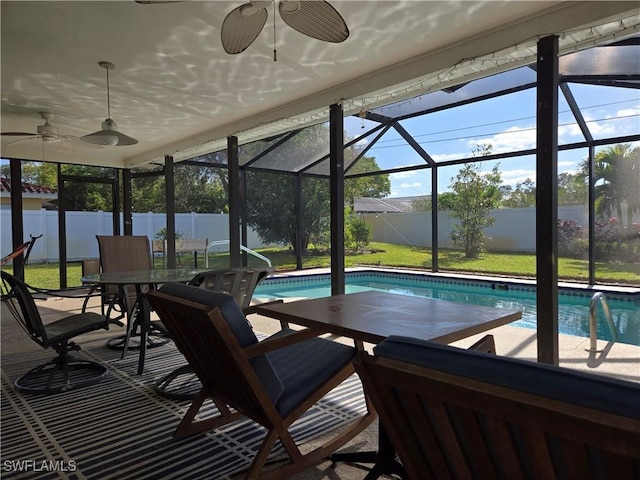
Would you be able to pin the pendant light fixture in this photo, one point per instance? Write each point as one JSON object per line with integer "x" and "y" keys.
{"x": 109, "y": 135}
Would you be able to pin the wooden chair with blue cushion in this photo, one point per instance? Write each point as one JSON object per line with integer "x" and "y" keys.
{"x": 453, "y": 413}
{"x": 239, "y": 282}
{"x": 273, "y": 382}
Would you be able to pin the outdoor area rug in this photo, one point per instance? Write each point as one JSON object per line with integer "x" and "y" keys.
{"x": 121, "y": 429}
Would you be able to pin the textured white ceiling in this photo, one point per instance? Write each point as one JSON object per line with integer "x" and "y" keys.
{"x": 174, "y": 87}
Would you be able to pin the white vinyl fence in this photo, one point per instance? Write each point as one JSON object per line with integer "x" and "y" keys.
{"x": 514, "y": 229}
{"x": 82, "y": 228}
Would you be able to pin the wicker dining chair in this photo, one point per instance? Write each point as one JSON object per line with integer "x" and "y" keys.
{"x": 126, "y": 254}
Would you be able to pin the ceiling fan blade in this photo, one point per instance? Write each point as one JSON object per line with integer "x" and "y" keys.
{"x": 22, "y": 140}
{"x": 153, "y": 2}
{"x": 61, "y": 145}
{"x": 241, "y": 27}
{"x": 77, "y": 141}
{"x": 315, "y": 19}
{"x": 18, "y": 134}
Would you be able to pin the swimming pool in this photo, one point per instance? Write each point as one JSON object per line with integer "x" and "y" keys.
{"x": 573, "y": 303}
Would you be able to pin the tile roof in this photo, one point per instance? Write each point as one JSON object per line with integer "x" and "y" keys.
{"x": 28, "y": 188}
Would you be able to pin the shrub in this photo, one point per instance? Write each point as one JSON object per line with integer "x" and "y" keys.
{"x": 357, "y": 233}
{"x": 569, "y": 234}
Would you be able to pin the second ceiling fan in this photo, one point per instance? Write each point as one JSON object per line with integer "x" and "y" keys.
{"x": 47, "y": 134}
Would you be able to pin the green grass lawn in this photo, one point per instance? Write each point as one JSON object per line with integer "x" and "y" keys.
{"x": 387, "y": 255}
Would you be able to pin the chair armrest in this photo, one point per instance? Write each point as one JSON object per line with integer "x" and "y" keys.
{"x": 282, "y": 341}
{"x": 252, "y": 309}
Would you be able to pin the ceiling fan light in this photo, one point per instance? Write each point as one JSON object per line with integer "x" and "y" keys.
{"x": 102, "y": 137}
{"x": 109, "y": 124}
{"x": 109, "y": 135}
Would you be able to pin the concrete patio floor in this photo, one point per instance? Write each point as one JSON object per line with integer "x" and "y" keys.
{"x": 616, "y": 359}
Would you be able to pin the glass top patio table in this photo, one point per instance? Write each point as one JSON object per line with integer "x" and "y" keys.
{"x": 140, "y": 278}
{"x": 153, "y": 276}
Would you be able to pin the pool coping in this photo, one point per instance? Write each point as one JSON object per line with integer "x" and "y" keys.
{"x": 623, "y": 293}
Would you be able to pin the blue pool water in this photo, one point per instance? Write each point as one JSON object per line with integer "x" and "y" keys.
{"x": 573, "y": 303}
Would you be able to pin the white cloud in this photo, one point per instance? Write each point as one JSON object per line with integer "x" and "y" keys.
{"x": 399, "y": 175}
{"x": 512, "y": 139}
{"x": 517, "y": 175}
{"x": 411, "y": 185}
{"x": 448, "y": 156}
{"x": 628, "y": 112}
{"x": 566, "y": 163}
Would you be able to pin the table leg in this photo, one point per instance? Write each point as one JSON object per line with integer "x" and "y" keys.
{"x": 384, "y": 460}
{"x": 144, "y": 311}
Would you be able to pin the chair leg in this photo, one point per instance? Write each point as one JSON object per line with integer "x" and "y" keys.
{"x": 188, "y": 425}
{"x": 257, "y": 465}
{"x": 313, "y": 457}
{"x": 61, "y": 375}
{"x": 179, "y": 384}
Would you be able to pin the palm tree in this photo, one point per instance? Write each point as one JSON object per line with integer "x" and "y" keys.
{"x": 617, "y": 182}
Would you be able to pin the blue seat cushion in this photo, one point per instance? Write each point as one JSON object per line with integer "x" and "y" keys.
{"x": 305, "y": 366}
{"x": 578, "y": 388}
{"x": 239, "y": 325}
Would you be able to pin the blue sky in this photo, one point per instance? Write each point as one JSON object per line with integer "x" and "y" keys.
{"x": 508, "y": 124}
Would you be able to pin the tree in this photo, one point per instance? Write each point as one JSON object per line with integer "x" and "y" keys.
{"x": 271, "y": 196}
{"x": 617, "y": 181}
{"x": 475, "y": 194}
{"x": 357, "y": 231}
{"x": 572, "y": 189}
{"x": 523, "y": 195}
{"x": 39, "y": 173}
{"x": 446, "y": 200}
{"x": 271, "y": 207}
{"x": 199, "y": 189}
{"x": 372, "y": 186}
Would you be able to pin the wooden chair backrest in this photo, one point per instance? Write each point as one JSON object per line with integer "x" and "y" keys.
{"x": 213, "y": 351}
{"x": 451, "y": 413}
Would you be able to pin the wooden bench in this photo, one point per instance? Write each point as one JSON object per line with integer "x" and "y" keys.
{"x": 183, "y": 245}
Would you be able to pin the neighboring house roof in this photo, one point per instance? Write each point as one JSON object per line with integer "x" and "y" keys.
{"x": 29, "y": 190}
{"x": 386, "y": 205}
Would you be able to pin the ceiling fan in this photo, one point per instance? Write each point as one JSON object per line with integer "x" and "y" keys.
{"x": 47, "y": 133}
{"x": 109, "y": 135}
{"x": 313, "y": 18}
